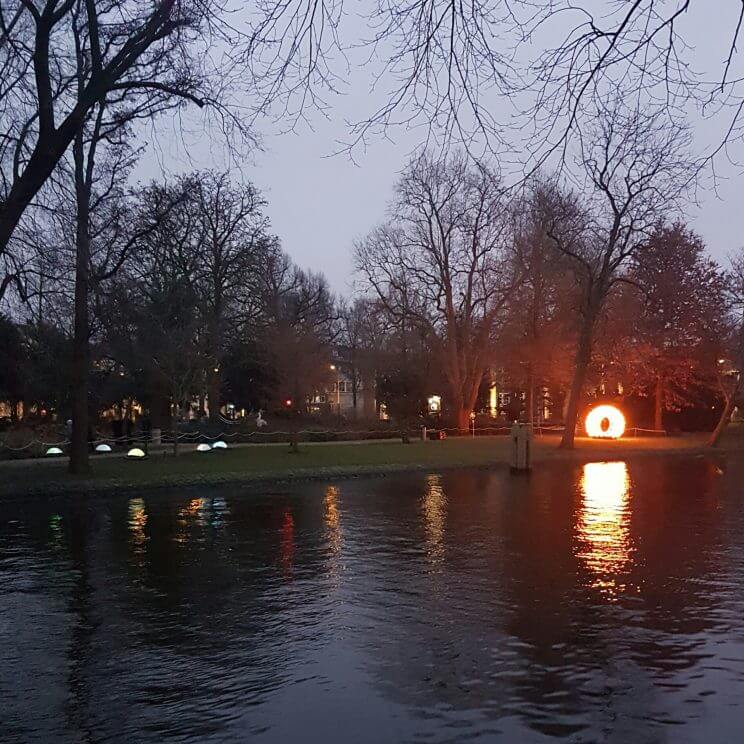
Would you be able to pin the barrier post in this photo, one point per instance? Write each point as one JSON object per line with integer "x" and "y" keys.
{"x": 521, "y": 449}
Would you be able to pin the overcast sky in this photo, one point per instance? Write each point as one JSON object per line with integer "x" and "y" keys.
{"x": 319, "y": 203}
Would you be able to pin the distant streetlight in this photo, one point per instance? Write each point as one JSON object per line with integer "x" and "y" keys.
{"x": 338, "y": 388}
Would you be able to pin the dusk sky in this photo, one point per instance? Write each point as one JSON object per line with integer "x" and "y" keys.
{"x": 319, "y": 205}
{"x": 320, "y": 202}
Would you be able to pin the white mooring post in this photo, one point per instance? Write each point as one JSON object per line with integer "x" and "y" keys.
{"x": 423, "y": 433}
{"x": 521, "y": 448}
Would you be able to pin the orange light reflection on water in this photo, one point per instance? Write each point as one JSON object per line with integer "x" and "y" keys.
{"x": 287, "y": 542}
{"x": 434, "y": 507}
{"x": 333, "y": 518}
{"x": 603, "y": 528}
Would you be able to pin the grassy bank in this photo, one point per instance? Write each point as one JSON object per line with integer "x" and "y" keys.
{"x": 265, "y": 463}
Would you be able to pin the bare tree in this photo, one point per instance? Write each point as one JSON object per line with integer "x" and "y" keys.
{"x": 300, "y": 326}
{"x": 433, "y": 63}
{"x": 153, "y": 329}
{"x": 359, "y": 343}
{"x": 536, "y": 334}
{"x": 106, "y": 231}
{"x": 731, "y": 369}
{"x": 637, "y": 167}
{"x": 61, "y": 58}
{"x": 444, "y": 260}
{"x": 152, "y": 320}
{"x": 233, "y": 233}
{"x": 643, "y": 47}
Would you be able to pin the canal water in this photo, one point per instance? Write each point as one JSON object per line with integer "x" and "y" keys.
{"x": 589, "y": 603}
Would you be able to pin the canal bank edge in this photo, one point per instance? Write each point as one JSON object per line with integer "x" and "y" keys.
{"x": 102, "y": 486}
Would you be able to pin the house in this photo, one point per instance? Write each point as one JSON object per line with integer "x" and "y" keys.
{"x": 347, "y": 395}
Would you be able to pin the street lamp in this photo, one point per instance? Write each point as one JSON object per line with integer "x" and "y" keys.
{"x": 338, "y": 388}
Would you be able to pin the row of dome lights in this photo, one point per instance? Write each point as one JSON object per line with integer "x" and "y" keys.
{"x": 136, "y": 453}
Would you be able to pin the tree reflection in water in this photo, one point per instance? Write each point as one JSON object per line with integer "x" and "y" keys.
{"x": 603, "y": 525}
{"x": 419, "y": 607}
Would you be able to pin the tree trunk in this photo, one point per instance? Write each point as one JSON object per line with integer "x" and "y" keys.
{"x": 160, "y": 410}
{"x": 723, "y": 422}
{"x": 575, "y": 395}
{"x": 463, "y": 418}
{"x": 368, "y": 397}
{"x": 354, "y": 391}
{"x": 659, "y": 404}
{"x": 79, "y": 460}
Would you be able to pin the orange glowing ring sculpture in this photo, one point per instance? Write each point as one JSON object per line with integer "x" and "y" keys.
{"x": 605, "y": 422}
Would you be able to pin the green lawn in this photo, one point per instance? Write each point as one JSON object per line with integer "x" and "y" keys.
{"x": 275, "y": 462}
{"x": 259, "y": 462}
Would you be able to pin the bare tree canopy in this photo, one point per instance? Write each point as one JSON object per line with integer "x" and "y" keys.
{"x": 636, "y": 169}
{"x": 59, "y": 59}
{"x": 731, "y": 366}
{"x": 644, "y": 47}
{"x": 435, "y": 64}
{"x": 444, "y": 261}
{"x": 495, "y": 73}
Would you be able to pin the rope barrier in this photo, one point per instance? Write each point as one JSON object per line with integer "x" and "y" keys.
{"x": 194, "y": 437}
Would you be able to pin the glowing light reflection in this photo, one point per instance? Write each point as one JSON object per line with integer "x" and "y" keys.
{"x": 194, "y": 513}
{"x": 434, "y": 507}
{"x": 137, "y": 523}
{"x": 287, "y": 542}
{"x": 332, "y": 518}
{"x": 603, "y": 524}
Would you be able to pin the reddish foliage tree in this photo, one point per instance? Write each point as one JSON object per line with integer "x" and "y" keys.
{"x": 679, "y": 319}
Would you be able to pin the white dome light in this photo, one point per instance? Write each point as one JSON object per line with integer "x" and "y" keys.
{"x": 103, "y": 448}
{"x": 203, "y": 448}
{"x": 136, "y": 453}
{"x": 219, "y": 444}
{"x": 54, "y": 452}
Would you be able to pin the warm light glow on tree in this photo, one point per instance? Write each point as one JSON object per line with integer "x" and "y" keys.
{"x": 606, "y": 422}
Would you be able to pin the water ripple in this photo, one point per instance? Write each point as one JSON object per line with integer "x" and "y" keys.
{"x": 591, "y": 603}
